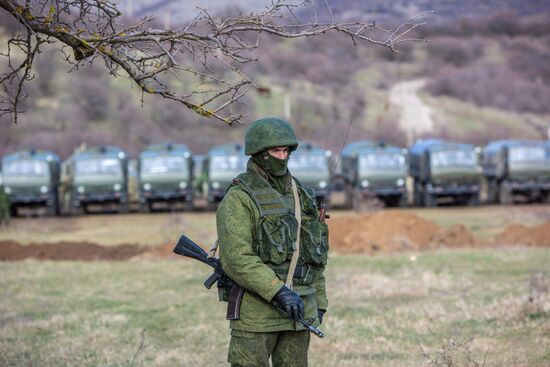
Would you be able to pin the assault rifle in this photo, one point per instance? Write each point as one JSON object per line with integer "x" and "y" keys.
{"x": 186, "y": 247}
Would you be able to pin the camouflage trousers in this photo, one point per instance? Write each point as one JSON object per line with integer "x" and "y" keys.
{"x": 286, "y": 348}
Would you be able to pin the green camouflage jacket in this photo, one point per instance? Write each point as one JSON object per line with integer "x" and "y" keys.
{"x": 260, "y": 267}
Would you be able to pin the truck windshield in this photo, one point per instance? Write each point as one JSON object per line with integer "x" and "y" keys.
{"x": 527, "y": 154}
{"x": 163, "y": 164}
{"x": 230, "y": 163}
{"x": 99, "y": 166}
{"x": 308, "y": 163}
{"x": 387, "y": 161}
{"x": 26, "y": 168}
{"x": 454, "y": 158}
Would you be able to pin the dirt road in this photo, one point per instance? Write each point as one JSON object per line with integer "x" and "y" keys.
{"x": 416, "y": 116}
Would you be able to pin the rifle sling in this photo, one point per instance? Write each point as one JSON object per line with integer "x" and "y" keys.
{"x": 296, "y": 248}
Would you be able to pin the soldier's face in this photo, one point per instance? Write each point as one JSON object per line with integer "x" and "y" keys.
{"x": 279, "y": 152}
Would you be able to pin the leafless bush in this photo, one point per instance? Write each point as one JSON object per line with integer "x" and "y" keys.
{"x": 455, "y": 51}
{"x": 492, "y": 85}
{"x": 456, "y": 351}
{"x": 538, "y": 301}
{"x": 530, "y": 58}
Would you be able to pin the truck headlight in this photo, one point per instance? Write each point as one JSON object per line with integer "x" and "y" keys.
{"x": 146, "y": 186}
{"x": 117, "y": 187}
{"x": 215, "y": 185}
{"x": 400, "y": 182}
{"x": 80, "y": 189}
{"x": 365, "y": 183}
{"x": 322, "y": 184}
{"x": 7, "y": 190}
{"x": 44, "y": 189}
{"x": 183, "y": 185}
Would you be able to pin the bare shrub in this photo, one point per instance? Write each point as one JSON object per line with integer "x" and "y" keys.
{"x": 455, "y": 51}
{"x": 456, "y": 351}
{"x": 529, "y": 58}
{"x": 537, "y": 302}
{"x": 492, "y": 85}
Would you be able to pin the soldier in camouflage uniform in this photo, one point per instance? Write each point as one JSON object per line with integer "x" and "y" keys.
{"x": 257, "y": 233}
{"x": 4, "y": 207}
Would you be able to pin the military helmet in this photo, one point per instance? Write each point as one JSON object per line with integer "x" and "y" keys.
{"x": 267, "y": 133}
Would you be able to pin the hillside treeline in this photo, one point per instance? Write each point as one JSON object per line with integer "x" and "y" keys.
{"x": 502, "y": 61}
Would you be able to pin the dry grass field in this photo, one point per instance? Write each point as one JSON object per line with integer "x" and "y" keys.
{"x": 462, "y": 307}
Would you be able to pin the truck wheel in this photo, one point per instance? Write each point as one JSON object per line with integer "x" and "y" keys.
{"x": 505, "y": 194}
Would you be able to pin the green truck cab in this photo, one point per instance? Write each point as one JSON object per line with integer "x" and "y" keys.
{"x": 310, "y": 164}
{"x": 372, "y": 168}
{"x": 443, "y": 170}
{"x": 514, "y": 169}
{"x": 31, "y": 179}
{"x": 95, "y": 176}
{"x": 222, "y": 163}
{"x": 165, "y": 176}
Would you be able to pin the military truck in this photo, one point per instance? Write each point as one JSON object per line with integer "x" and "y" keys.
{"x": 95, "y": 176}
{"x": 31, "y": 179}
{"x": 444, "y": 171}
{"x": 374, "y": 169}
{"x": 223, "y": 163}
{"x": 310, "y": 164}
{"x": 516, "y": 169}
{"x": 166, "y": 176}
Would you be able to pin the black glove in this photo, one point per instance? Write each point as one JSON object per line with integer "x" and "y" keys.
{"x": 321, "y": 313}
{"x": 290, "y": 302}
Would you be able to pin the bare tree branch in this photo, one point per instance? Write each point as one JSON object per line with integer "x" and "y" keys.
{"x": 198, "y": 64}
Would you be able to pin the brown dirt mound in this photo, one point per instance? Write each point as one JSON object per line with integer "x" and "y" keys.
{"x": 517, "y": 234}
{"x": 83, "y": 251}
{"x": 391, "y": 231}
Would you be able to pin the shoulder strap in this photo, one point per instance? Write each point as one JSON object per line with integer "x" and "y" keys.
{"x": 296, "y": 247}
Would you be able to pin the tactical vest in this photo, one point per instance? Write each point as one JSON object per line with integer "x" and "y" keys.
{"x": 275, "y": 234}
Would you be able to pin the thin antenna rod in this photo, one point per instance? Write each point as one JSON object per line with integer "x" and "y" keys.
{"x": 323, "y": 206}
{"x": 341, "y": 150}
